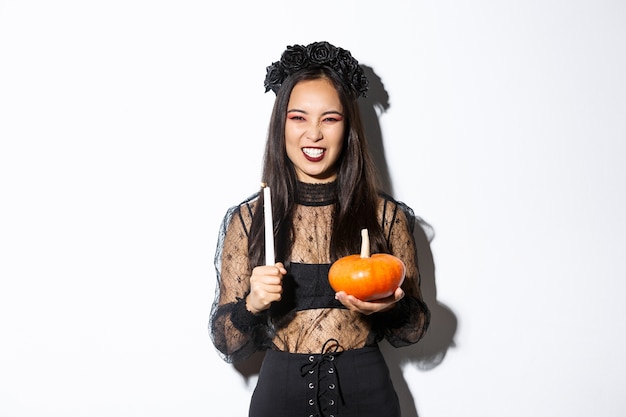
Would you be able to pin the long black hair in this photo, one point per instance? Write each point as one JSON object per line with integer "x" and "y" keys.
{"x": 357, "y": 180}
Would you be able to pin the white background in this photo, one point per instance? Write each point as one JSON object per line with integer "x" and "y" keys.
{"x": 128, "y": 128}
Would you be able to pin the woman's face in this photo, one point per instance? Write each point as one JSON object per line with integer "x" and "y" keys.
{"x": 314, "y": 130}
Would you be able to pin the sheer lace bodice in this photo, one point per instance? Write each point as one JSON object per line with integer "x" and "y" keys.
{"x": 300, "y": 325}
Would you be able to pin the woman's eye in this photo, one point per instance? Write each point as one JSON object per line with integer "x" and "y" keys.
{"x": 295, "y": 117}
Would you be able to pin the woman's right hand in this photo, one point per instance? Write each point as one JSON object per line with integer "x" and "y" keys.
{"x": 266, "y": 286}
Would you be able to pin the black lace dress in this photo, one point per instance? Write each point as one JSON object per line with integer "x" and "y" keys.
{"x": 308, "y": 322}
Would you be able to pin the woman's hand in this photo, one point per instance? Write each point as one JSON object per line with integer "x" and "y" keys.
{"x": 266, "y": 286}
{"x": 368, "y": 307}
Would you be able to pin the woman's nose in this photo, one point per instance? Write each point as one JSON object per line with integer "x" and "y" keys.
{"x": 314, "y": 132}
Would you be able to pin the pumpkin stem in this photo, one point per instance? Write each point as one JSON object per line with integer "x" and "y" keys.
{"x": 365, "y": 244}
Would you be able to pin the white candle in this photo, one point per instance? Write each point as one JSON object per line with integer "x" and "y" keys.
{"x": 269, "y": 227}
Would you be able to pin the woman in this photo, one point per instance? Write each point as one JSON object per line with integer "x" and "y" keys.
{"x": 322, "y": 356}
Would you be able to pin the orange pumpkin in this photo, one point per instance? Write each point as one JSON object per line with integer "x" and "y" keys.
{"x": 367, "y": 277}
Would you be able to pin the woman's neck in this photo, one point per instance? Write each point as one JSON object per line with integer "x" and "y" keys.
{"x": 318, "y": 194}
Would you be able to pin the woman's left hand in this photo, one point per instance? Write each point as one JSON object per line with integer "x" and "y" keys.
{"x": 368, "y": 307}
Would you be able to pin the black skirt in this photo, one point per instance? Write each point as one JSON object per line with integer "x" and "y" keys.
{"x": 354, "y": 383}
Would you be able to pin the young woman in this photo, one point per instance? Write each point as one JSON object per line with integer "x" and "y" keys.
{"x": 322, "y": 356}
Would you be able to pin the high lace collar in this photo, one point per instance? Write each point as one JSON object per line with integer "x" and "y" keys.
{"x": 316, "y": 194}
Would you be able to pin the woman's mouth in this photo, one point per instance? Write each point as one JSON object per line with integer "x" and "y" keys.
{"x": 313, "y": 154}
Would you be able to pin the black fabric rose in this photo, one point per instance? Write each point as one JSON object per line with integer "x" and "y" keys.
{"x": 322, "y": 53}
{"x": 346, "y": 64}
{"x": 274, "y": 77}
{"x": 360, "y": 82}
{"x": 294, "y": 58}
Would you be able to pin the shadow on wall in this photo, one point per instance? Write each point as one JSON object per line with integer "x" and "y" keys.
{"x": 431, "y": 350}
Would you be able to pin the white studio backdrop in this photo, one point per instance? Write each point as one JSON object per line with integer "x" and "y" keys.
{"x": 127, "y": 128}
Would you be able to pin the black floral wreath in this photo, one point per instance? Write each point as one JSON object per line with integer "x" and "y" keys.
{"x": 297, "y": 57}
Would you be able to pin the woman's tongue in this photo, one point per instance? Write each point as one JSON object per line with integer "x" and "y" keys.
{"x": 313, "y": 154}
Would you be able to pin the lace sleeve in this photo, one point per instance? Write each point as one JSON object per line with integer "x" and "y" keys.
{"x": 407, "y": 322}
{"x": 236, "y": 333}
